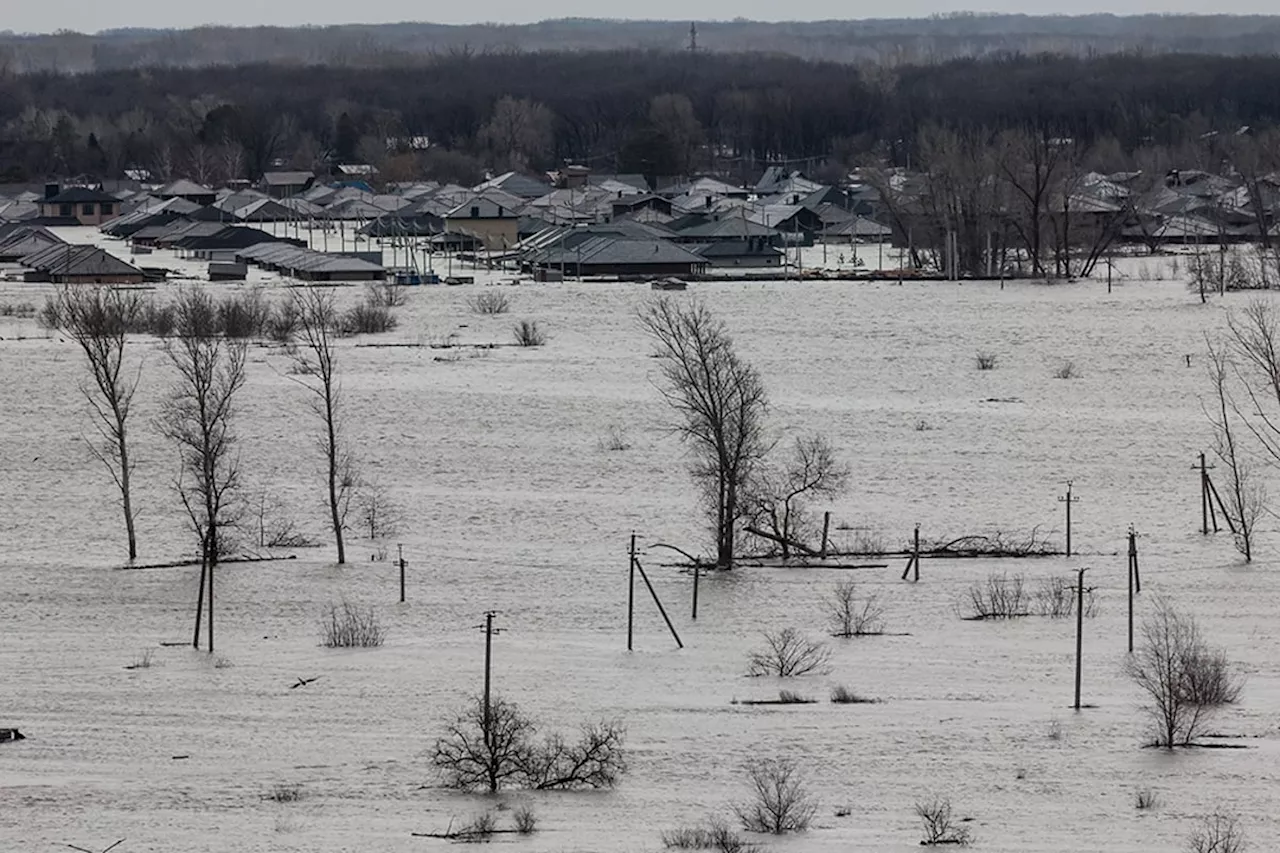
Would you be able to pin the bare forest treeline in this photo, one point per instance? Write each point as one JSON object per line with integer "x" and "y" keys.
{"x": 630, "y": 110}
{"x": 889, "y": 42}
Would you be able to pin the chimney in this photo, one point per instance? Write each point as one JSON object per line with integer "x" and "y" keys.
{"x": 51, "y": 190}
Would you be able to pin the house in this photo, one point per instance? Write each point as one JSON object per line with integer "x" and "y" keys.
{"x": 189, "y": 190}
{"x": 86, "y": 206}
{"x": 608, "y": 255}
{"x": 309, "y": 265}
{"x": 752, "y": 252}
{"x": 286, "y": 184}
{"x": 515, "y": 184}
{"x": 80, "y": 264}
{"x": 19, "y": 241}
{"x": 491, "y": 215}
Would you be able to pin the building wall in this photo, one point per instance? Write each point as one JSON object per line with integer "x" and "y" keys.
{"x": 94, "y": 216}
{"x": 492, "y": 231}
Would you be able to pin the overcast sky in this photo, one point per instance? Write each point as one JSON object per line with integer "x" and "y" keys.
{"x": 94, "y": 15}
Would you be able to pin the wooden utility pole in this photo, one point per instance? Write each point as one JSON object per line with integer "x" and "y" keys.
{"x": 631, "y": 591}
{"x": 210, "y": 604}
{"x": 1068, "y": 500}
{"x": 400, "y": 560}
{"x": 1079, "y": 632}
{"x": 697, "y": 570}
{"x": 913, "y": 562}
{"x": 1206, "y": 502}
{"x": 489, "y": 631}
{"x": 826, "y": 529}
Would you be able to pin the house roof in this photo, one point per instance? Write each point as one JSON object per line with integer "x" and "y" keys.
{"x": 294, "y": 258}
{"x": 183, "y": 187}
{"x": 516, "y": 184}
{"x": 606, "y": 250}
{"x": 287, "y": 179}
{"x": 725, "y": 228}
{"x": 78, "y": 260}
{"x": 81, "y": 195}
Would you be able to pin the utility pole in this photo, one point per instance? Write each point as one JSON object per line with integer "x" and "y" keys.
{"x": 1079, "y": 632}
{"x": 1068, "y": 500}
{"x": 489, "y": 631}
{"x": 1206, "y": 506}
{"x": 400, "y": 560}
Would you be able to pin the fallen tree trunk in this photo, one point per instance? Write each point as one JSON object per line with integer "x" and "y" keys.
{"x": 781, "y": 540}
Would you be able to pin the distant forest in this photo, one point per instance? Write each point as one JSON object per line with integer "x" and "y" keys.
{"x": 647, "y": 111}
{"x": 889, "y": 42}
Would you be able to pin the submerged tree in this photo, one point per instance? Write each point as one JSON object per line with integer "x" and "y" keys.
{"x": 197, "y": 418}
{"x": 1246, "y": 500}
{"x": 721, "y": 404}
{"x": 778, "y": 495}
{"x": 317, "y": 370}
{"x": 98, "y": 320}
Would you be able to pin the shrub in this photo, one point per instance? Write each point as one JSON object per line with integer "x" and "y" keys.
{"x": 615, "y": 439}
{"x": 1066, "y": 371}
{"x": 282, "y": 793}
{"x": 787, "y": 653}
{"x": 1217, "y": 833}
{"x": 345, "y": 626}
{"x": 985, "y": 360}
{"x": 848, "y": 616}
{"x": 1145, "y": 800}
{"x": 244, "y": 315}
{"x": 779, "y": 801}
{"x": 143, "y": 661}
{"x": 282, "y": 322}
{"x": 842, "y": 695}
{"x": 789, "y": 697}
{"x": 940, "y": 826}
{"x": 714, "y": 835}
{"x": 384, "y": 294}
{"x": 50, "y": 315}
{"x": 490, "y": 302}
{"x": 999, "y": 597}
{"x": 222, "y": 663}
{"x": 526, "y": 820}
{"x": 480, "y": 829}
{"x": 527, "y": 334}
{"x": 1185, "y": 680}
{"x": 157, "y": 318}
{"x": 367, "y": 319}
{"x": 1056, "y": 597}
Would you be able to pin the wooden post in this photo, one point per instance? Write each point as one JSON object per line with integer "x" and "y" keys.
{"x": 1079, "y": 632}
{"x": 631, "y": 592}
{"x": 1131, "y": 568}
{"x": 658, "y": 601}
{"x": 913, "y": 562}
{"x": 1204, "y": 498}
{"x": 211, "y": 607}
{"x": 195, "y": 638}
{"x": 488, "y": 663}
{"x": 1213, "y": 490}
{"x": 400, "y": 552}
{"x": 1133, "y": 560}
{"x": 697, "y": 570}
{"x": 1068, "y": 500}
{"x": 826, "y": 527}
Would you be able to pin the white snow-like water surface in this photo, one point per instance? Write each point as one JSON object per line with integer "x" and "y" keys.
{"x": 513, "y": 504}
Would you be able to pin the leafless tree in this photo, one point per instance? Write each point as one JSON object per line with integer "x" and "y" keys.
{"x": 1246, "y": 497}
{"x": 98, "y": 319}
{"x": 1030, "y": 163}
{"x": 1184, "y": 680}
{"x": 378, "y": 511}
{"x": 518, "y": 132}
{"x": 497, "y": 751}
{"x": 787, "y": 653}
{"x": 779, "y": 802}
{"x": 720, "y": 402}
{"x": 1217, "y": 833}
{"x": 316, "y": 369}
{"x": 940, "y": 825}
{"x": 777, "y": 496}
{"x": 197, "y": 417}
{"x": 848, "y": 615}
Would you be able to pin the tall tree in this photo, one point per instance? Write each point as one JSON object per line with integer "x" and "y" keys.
{"x": 98, "y": 320}
{"x": 197, "y": 417}
{"x": 317, "y": 371}
{"x": 720, "y": 403}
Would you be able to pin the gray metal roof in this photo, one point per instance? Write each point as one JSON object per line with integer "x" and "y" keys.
{"x": 78, "y": 260}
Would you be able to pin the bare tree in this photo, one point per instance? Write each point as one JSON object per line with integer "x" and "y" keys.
{"x": 489, "y": 753}
{"x": 848, "y": 615}
{"x": 787, "y": 653}
{"x": 316, "y": 363}
{"x": 98, "y": 319}
{"x": 197, "y": 418}
{"x": 721, "y": 404}
{"x": 1217, "y": 833}
{"x": 1185, "y": 681}
{"x": 378, "y": 512}
{"x": 779, "y": 802}
{"x": 777, "y": 497}
{"x": 1246, "y": 497}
